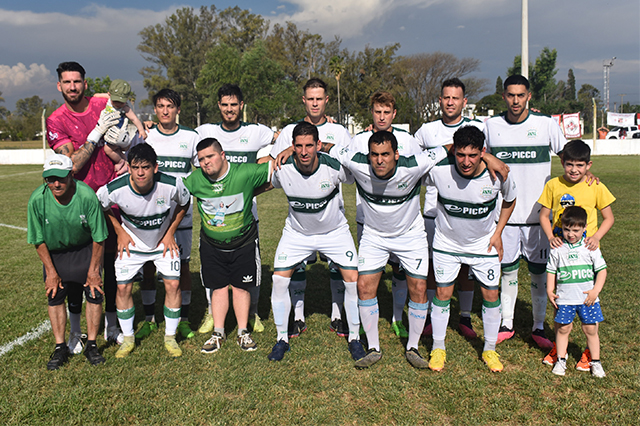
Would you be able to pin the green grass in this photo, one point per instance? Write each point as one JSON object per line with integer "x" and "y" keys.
{"x": 316, "y": 382}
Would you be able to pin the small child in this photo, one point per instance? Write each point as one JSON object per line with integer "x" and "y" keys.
{"x": 572, "y": 189}
{"x": 572, "y": 267}
{"x": 119, "y": 93}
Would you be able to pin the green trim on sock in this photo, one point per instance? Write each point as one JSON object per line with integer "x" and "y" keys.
{"x": 171, "y": 313}
{"x": 126, "y": 313}
{"x": 439, "y": 303}
{"x": 495, "y": 304}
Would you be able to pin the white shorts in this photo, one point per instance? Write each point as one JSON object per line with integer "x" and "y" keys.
{"x": 529, "y": 242}
{"x": 128, "y": 267}
{"x": 410, "y": 248}
{"x": 294, "y": 247}
{"x": 393, "y": 259}
{"x": 485, "y": 269}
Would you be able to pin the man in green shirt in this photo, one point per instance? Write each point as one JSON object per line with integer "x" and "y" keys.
{"x": 67, "y": 226}
{"x": 229, "y": 251}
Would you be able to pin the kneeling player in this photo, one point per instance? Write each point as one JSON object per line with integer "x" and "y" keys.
{"x": 466, "y": 233}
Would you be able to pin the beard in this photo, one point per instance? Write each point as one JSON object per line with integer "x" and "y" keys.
{"x": 72, "y": 101}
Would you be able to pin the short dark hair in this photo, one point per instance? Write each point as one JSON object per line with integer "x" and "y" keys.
{"x": 228, "y": 89}
{"x": 209, "y": 142}
{"x": 468, "y": 136}
{"x": 576, "y": 150}
{"x": 313, "y": 83}
{"x": 383, "y": 136}
{"x": 516, "y": 79}
{"x": 142, "y": 153}
{"x": 303, "y": 129}
{"x": 453, "y": 82}
{"x": 69, "y": 66}
{"x": 168, "y": 94}
{"x": 383, "y": 98}
{"x": 574, "y": 216}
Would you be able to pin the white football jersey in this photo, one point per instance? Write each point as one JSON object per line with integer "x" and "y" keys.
{"x": 240, "y": 145}
{"x": 525, "y": 147}
{"x": 314, "y": 200}
{"x": 327, "y": 132}
{"x": 467, "y": 209}
{"x": 436, "y": 133}
{"x": 145, "y": 217}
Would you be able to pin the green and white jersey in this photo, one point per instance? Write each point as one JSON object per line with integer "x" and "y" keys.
{"x": 436, "y": 133}
{"x": 575, "y": 267}
{"x": 240, "y": 145}
{"x": 225, "y": 204}
{"x": 467, "y": 210}
{"x": 145, "y": 217}
{"x": 314, "y": 202}
{"x": 525, "y": 147}
{"x": 407, "y": 146}
{"x": 176, "y": 154}
{"x": 327, "y": 132}
{"x": 391, "y": 206}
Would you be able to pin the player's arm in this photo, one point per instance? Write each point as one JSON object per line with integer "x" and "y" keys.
{"x": 495, "y": 166}
{"x": 546, "y": 226}
{"x": 496, "y": 238}
{"x": 551, "y": 286}
{"x": 592, "y": 295}
{"x": 94, "y": 275}
{"x": 267, "y": 186}
{"x": 593, "y": 242}
{"x": 133, "y": 118}
{"x": 101, "y": 95}
{"x": 124, "y": 239}
{"x": 169, "y": 240}
{"x": 53, "y": 281}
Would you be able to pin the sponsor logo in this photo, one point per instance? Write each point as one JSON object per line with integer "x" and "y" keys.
{"x": 161, "y": 201}
{"x": 183, "y": 146}
{"x": 46, "y": 221}
{"x": 53, "y": 136}
{"x": 172, "y": 164}
{"x": 244, "y": 140}
{"x": 532, "y": 133}
{"x": 247, "y": 279}
{"x": 217, "y": 187}
{"x": 282, "y": 257}
{"x": 432, "y": 155}
{"x": 564, "y": 275}
{"x": 124, "y": 270}
{"x": 344, "y": 150}
{"x": 572, "y": 255}
{"x": 452, "y": 208}
{"x": 308, "y": 206}
{"x": 439, "y": 271}
{"x": 83, "y": 219}
{"x": 238, "y": 158}
{"x": 420, "y": 317}
{"x": 325, "y": 185}
{"x": 487, "y": 192}
{"x": 148, "y": 223}
{"x": 582, "y": 274}
{"x": 516, "y": 154}
{"x": 374, "y": 311}
{"x": 330, "y": 137}
{"x": 360, "y": 260}
{"x": 513, "y": 282}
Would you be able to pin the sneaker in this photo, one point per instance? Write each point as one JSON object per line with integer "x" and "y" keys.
{"x": 356, "y": 350}
{"x": 113, "y": 335}
{"x": 505, "y": 333}
{"x": 427, "y": 330}
{"x": 93, "y": 356}
{"x": 560, "y": 367}
{"x": 415, "y": 359}
{"x": 437, "y": 359}
{"x": 585, "y": 361}
{"x": 171, "y": 346}
{"x": 541, "y": 340}
{"x": 213, "y": 344}
{"x": 278, "y": 351}
{"x": 256, "y": 324}
{"x": 246, "y": 343}
{"x": 75, "y": 344}
{"x": 337, "y": 326}
{"x": 491, "y": 358}
{"x": 207, "y": 323}
{"x": 400, "y": 330}
{"x": 597, "y": 370}
{"x": 147, "y": 328}
{"x": 552, "y": 357}
{"x": 59, "y": 357}
{"x": 297, "y": 328}
{"x": 372, "y": 356}
{"x": 184, "y": 328}
{"x": 128, "y": 344}
{"x": 466, "y": 329}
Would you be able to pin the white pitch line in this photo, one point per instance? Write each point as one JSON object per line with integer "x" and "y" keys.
{"x": 13, "y": 227}
{"x": 20, "y": 174}
{"x": 33, "y": 334}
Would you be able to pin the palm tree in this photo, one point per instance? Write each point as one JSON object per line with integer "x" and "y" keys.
{"x": 336, "y": 68}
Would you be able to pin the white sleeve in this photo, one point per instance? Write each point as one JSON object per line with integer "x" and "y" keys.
{"x": 557, "y": 140}
{"x": 509, "y": 190}
{"x": 266, "y": 136}
{"x": 283, "y": 142}
{"x": 182, "y": 195}
{"x": 103, "y": 197}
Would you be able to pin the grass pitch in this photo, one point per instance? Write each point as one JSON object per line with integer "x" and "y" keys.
{"x": 316, "y": 382}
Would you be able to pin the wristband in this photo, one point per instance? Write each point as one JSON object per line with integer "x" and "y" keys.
{"x": 94, "y": 137}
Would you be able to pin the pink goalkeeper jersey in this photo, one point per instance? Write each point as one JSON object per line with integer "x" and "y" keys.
{"x": 64, "y": 126}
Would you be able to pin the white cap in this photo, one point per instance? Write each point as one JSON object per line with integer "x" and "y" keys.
{"x": 57, "y": 165}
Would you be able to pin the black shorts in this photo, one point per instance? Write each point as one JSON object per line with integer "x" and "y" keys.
{"x": 239, "y": 267}
{"x": 72, "y": 267}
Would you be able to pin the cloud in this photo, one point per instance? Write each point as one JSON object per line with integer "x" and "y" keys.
{"x": 18, "y": 78}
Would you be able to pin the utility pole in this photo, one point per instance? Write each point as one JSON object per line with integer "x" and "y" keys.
{"x": 607, "y": 64}
{"x": 622, "y": 95}
{"x": 524, "y": 67}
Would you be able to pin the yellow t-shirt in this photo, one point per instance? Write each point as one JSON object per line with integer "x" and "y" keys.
{"x": 559, "y": 194}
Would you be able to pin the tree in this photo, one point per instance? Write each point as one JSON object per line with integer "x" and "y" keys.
{"x": 542, "y": 76}
{"x": 97, "y": 85}
{"x": 3, "y": 111}
{"x": 336, "y": 68}
{"x": 586, "y": 93}
{"x": 499, "y": 85}
{"x": 570, "y": 94}
{"x": 241, "y": 28}
{"x": 25, "y": 122}
{"x": 516, "y": 68}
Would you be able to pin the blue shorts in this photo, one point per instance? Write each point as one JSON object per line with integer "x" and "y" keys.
{"x": 588, "y": 314}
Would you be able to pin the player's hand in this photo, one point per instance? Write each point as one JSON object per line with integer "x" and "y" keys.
{"x": 170, "y": 245}
{"x": 592, "y": 242}
{"x": 369, "y": 128}
{"x": 552, "y": 298}
{"x": 52, "y": 284}
{"x": 114, "y": 134}
{"x": 94, "y": 282}
{"x": 329, "y": 119}
{"x": 590, "y": 178}
{"x": 496, "y": 166}
{"x": 555, "y": 242}
{"x": 283, "y": 157}
{"x": 592, "y": 295}
{"x": 143, "y": 135}
{"x": 148, "y": 125}
{"x": 124, "y": 240}
{"x": 496, "y": 241}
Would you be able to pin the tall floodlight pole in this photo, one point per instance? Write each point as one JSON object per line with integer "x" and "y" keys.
{"x": 607, "y": 64}
{"x": 524, "y": 67}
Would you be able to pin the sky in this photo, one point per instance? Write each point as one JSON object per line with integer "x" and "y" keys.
{"x": 36, "y": 35}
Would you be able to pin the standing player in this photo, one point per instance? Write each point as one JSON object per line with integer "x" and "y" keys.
{"x": 72, "y": 131}
{"x": 466, "y": 234}
{"x": 175, "y": 146}
{"x": 435, "y": 133}
{"x": 316, "y": 221}
{"x": 67, "y": 226}
{"x": 229, "y": 251}
{"x": 315, "y": 99}
{"x": 522, "y": 139}
{"x": 383, "y": 111}
{"x": 152, "y": 205}
{"x": 241, "y": 142}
